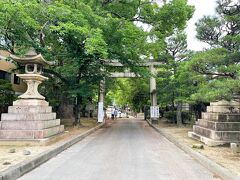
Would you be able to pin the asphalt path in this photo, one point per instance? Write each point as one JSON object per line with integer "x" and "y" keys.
{"x": 127, "y": 149}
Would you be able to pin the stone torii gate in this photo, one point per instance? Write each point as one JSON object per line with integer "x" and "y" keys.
{"x": 154, "y": 109}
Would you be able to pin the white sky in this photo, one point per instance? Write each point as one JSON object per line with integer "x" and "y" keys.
{"x": 202, "y": 7}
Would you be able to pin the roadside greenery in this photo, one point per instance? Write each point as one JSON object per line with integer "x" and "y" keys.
{"x": 6, "y": 95}
{"x": 211, "y": 74}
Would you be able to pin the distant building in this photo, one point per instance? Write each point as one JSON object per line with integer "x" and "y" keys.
{"x": 6, "y": 72}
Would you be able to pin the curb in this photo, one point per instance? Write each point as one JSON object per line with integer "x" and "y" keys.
{"x": 20, "y": 169}
{"x": 209, "y": 164}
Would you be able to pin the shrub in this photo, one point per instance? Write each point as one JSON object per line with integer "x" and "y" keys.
{"x": 172, "y": 116}
{"x": 6, "y": 95}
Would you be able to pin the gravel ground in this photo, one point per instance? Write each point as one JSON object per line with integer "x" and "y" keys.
{"x": 8, "y": 159}
{"x": 221, "y": 154}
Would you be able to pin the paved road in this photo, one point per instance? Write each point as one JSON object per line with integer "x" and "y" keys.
{"x": 127, "y": 150}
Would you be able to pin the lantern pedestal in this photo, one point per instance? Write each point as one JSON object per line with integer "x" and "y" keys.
{"x": 29, "y": 119}
{"x": 32, "y": 81}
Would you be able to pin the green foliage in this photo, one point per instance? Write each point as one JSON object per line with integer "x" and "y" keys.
{"x": 6, "y": 93}
{"x": 172, "y": 89}
{"x": 187, "y": 82}
{"x": 172, "y": 116}
{"x": 222, "y": 30}
{"x": 174, "y": 16}
{"x": 131, "y": 92}
{"x": 20, "y": 23}
{"x": 79, "y": 34}
{"x": 217, "y": 89}
{"x": 219, "y": 65}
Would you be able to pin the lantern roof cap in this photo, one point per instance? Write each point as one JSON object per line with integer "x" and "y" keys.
{"x": 31, "y": 57}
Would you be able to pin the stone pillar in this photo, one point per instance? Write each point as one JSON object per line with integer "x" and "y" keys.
{"x": 101, "y": 101}
{"x": 154, "y": 110}
{"x": 153, "y": 92}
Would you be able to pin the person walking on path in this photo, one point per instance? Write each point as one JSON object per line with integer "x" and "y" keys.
{"x": 112, "y": 113}
{"x": 115, "y": 113}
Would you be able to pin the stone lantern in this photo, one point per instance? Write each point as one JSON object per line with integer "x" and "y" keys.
{"x": 33, "y": 69}
{"x": 30, "y": 117}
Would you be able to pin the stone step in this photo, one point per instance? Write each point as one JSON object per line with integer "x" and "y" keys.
{"x": 219, "y": 126}
{"x": 223, "y": 109}
{"x": 202, "y": 131}
{"x": 217, "y": 135}
{"x": 30, "y": 102}
{"x": 29, "y": 109}
{"x": 28, "y": 116}
{"x": 225, "y": 103}
{"x": 28, "y": 125}
{"x": 207, "y": 141}
{"x": 31, "y": 134}
{"x": 221, "y": 117}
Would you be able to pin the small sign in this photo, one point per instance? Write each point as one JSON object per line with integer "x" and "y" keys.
{"x": 154, "y": 112}
{"x": 100, "y": 112}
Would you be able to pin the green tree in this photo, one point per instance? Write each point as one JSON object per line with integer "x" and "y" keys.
{"x": 219, "y": 64}
{"x": 176, "y": 53}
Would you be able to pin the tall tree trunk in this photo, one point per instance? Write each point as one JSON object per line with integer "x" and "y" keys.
{"x": 179, "y": 114}
{"x": 77, "y": 110}
{"x": 172, "y": 101}
{"x": 78, "y": 101}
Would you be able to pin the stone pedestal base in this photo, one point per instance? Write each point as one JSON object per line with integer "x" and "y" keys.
{"x": 32, "y": 142}
{"x": 219, "y": 125}
{"x": 207, "y": 141}
{"x": 29, "y": 119}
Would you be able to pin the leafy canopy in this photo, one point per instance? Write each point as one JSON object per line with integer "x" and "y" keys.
{"x": 79, "y": 34}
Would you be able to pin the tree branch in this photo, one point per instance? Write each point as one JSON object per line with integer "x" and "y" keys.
{"x": 226, "y": 74}
{"x": 41, "y": 34}
{"x": 58, "y": 75}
